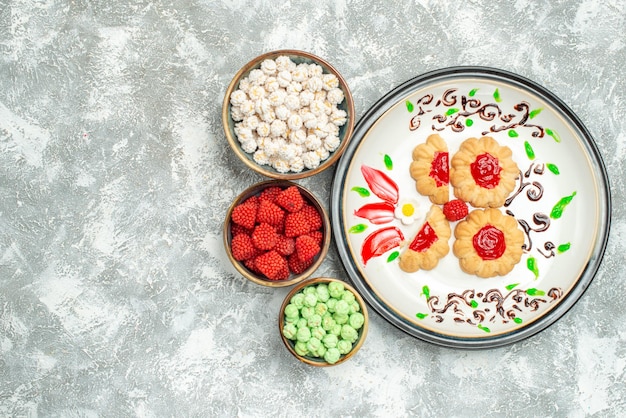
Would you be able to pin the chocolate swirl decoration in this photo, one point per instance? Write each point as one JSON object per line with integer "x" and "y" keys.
{"x": 494, "y": 305}
{"x": 453, "y": 118}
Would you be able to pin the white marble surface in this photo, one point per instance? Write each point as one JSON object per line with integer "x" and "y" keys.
{"x": 116, "y": 298}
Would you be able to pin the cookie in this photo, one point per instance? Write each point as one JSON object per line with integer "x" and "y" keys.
{"x": 430, "y": 169}
{"x": 429, "y": 245}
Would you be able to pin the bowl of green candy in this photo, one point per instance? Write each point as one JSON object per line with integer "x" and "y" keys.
{"x": 323, "y": 321}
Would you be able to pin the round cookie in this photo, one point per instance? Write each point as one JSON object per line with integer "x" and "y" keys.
{"x": 488, "y": 243}
{"x": 483, "y": 172}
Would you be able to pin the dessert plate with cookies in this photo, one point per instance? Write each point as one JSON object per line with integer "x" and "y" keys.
{"x": 471, "y": 208}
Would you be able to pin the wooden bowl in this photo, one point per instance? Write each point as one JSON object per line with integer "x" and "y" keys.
{"x": 291, "y": 344}
{"x": 298, "y": 57}
{"x": 258, "y": 278}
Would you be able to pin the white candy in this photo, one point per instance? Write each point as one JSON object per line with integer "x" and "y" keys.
{"x": 249, "y": 146}
{"x": 237, "y": 97}
{"x": 282, "y": 112}
{"x": 306, "y": 97}
{"x": 263, "y": 129}
{"x": 268, "y": 66}
{"x": 331, "y": 142}
{"x": 260, "y": 157}
{"x": 278, "y": 128}
{"x": 330, "y": 81}
{"x": 284, "y": 78}
{"x": 295, "y": 122}
{"x": 313, "y": 142}
{"x": 284, "y": 63}
{"x": 287, "y": 115}
{"x": 335, "y": 96}
{"x": 315, "y": 84}
{"x": 311, "y": 160}
{"x": 236, "y": 113}
{"x": 256, "y": 77}
{"x": 256, "y": 93}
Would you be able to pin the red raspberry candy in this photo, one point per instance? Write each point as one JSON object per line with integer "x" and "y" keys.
{"x": 455, "y": 210}
{"x": 314, "y": 217}
{"x": 290, "y": 199}
{"x": 270, "y": 213}
{"x": 285, "y": 245}
{"x": 317, "y": 236}
{"x": 244, "y": 214}
{"x": 296, "y": 224}
{"x": 272, "y": 265}
{"x": 298, "y": 266}
{"x": 242, "y": 247}
{"x": 264, "y": 236}
{"x": 270, "y": 193}
{"x": 306, "y": 247}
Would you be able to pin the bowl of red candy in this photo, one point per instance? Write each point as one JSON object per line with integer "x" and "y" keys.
{"x": 276, "y": 233}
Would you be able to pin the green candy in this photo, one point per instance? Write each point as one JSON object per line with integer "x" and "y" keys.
{"x": 322, "y": 292}
{"x": 330, "y": 340}
{"x": 313, "y": 345}
{"x": 303, "y": 334}
{"x": 336, "y": 330}
{"x": 321, "y": 308}
{"x": 318, "y": 333}
{"x": 356, "y": 320}
{"x": 321, "y": 351}
{"x": 289, "y": 331}
{"x": 328, "y": 322}
{"x": 310, "y": 299}
{"x": 344, "y": 346}
{"x": 330, "y": 304}
{"x": 297, "y": 300}
{"x": 301, "y": 323}
{"x": 300, "y": 348}
{"x": 307, "y": 311}
{"x": 348, "y": 333}
{"x": 348, "y": 296}
{"x": 335, "y": 289}
{"x": 292, "y": 311}
{"x": 342, "y": 308}
{"x": 332, "y": 355}
{"x": 340, "y": 319}
{"x": 314, "y": 321}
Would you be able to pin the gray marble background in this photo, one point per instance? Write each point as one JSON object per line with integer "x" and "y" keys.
{"x": 116, "y": 298}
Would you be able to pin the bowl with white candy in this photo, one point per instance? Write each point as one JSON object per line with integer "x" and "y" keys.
{"x": 288, "y": 114}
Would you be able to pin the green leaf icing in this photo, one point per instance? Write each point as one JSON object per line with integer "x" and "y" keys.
{"x": 557, "y": 210}
{"x": 563, "y": 247}
{"x": 473, "y": 304}
{"x": 484, "y": 328}
{"x": 553, "y": 134}
{"x": 496, "y": 96}
{"x": 531, "y": 263}
{"x": 512, "y": 286}
{"x": 388, "y": 162}
{"x": 409, "y": 106}
{"x": 554, "y": 169}
{"x": 472, "y": 92}
{"x": 393, "y": 256}
{"x": 513, "y": 133}
{"x": 420, "y": 315}
{"x": 357, "y": 229}
{"x": 469, "y": 122}
{"x": 362, "y": 191}
{"x": 452, "y": 111}
{"x": 517, "y": 320}
{"x": 530, "y": 153}
{"x": 426, "y": 292}
{"x": 535, "y": 292}
{"x": 534, "y": 113}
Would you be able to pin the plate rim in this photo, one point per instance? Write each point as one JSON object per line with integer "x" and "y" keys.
{"x": 597, "y": 251}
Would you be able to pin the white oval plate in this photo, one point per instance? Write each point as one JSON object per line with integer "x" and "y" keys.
{"x": 560, "y": 168}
